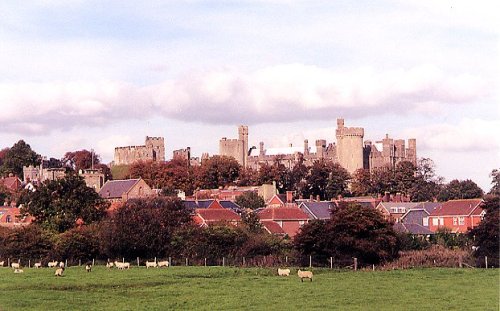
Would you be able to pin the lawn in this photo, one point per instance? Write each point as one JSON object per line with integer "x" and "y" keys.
{"x": 218, "y": 288}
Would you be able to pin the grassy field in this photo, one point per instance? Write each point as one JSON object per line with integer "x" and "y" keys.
{"x": 218, "y": 288}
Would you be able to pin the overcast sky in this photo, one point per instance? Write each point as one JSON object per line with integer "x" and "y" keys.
{"x": 100, "y": 74}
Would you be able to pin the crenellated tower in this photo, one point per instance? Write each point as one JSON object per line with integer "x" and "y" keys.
{"x": 349, "y": 146}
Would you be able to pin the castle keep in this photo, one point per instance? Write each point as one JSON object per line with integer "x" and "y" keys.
{"x": 350, "y": 150}
{"x": 153, "y": 150}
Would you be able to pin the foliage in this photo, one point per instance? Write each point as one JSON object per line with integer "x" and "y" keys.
{"x": 460, "y": 189}
{"x": 408, "y": 241}
{"x": 361, "y": 182}
{"x": 251, "y": 221}
{"x": 217, "y": 171}
{"x": 352, "y": 231}
{"x": 58, "y": 204}
{"x": 120, "y": 171}
{"x": 486, "y": 235}
{"x": 250, "y": 200}
{"x": 326, "y": 179}
{"x": 79, "y": 243}
{"x": 3, "y": 152}
{"x": 26, "y": 242}
{"x": 81, "y": 159}
{"x": 143, "y": 228}
{"x": 434, "y": 256}
{"x": 19, "y": 155}
{"x": 495, "y": 181}
{"x": 444, "y": 237}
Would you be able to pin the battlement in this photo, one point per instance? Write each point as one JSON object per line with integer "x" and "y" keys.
{"x": 158, "y": 138}
{"x": 351, "y": 131}
{"x": 130, "y": 147}
{"x": 153, "y": 149}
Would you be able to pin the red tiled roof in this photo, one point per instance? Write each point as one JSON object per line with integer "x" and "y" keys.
{"x": 11, "y": 183}
{"x": 272, "y": 227}
{"x": 217, "y": 214}
{"x": 282, "y": 213}
{"x": 14, "y": 214}
{"x": 458, "y": 208}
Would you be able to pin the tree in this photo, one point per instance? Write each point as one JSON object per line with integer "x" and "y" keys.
{"x": 58, "y": 204}
{"x": 251, "y": 221}
{"x": 79, "y": 243}
{"x": 144, "y": 228}
{"x": 427, "y": 185}
{"x": 404, "y": 177}
{"x": 486, "y": 235}
{"x": 326, "y": 179}
{"x": 277, "y": 172}
{"x": 382, "y": 180}
{"x": 460, "y": 189}
{"x": 250, "y": 200}
{"x": 19, "y": 155}
{"x": 361, "y": 183}
{"x": 352, "y": 231}
{"x": 495, "y": 181}
{"x": 27, "y": 242}
{"x": 81, "y": 159}
{"x": 3, "y": 152}
{"x": 217, "y": 171}
{"x": 337, "y": 181}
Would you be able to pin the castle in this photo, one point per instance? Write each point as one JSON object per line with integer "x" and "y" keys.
{"x": 153, "y": 150}
{"x": 350, "y": 151}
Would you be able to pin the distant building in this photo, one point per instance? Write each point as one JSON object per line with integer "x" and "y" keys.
{"x": 457, "y": 215}
{"x": 93, "y": 178}
{"x": 349, "y": 151}
{"x": 152, "y": 150}
{"x": 123, "y": 190}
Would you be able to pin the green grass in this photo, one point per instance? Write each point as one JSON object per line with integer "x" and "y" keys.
{"x": 218, "y": 288}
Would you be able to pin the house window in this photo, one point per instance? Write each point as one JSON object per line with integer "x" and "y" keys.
{"x": 301, "y": 222}
{"x": 435, "y": 221}
{"x": 455, "y": 221}
{"x": 425, "y": 221}
{"x": 402, "y": 210}
{"x": 461, "y": 221}
{"x": 280, "y": 223}
{"x": 441, "y": 221}
{"x": 8, "y": 218}
{"x": 394, "y": 209}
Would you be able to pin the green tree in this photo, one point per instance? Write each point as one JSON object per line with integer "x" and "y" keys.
{"x": 352, "y": 231}
{"x": 427, "y": 185}
{"x": 27, "y": 242}
{"x": 217, "y": 171}
{"x": 58, "y": 204}
{"x": 19, "y": 155}
{"x": 404, "y": 177}
{"x": 361, "y": 183}
{"x": 81, "y": 159}
{"x": 487, "y": 235}
{"x": 495, "y": 181}
{"x": 337, "y": 181}
{"x": 460, "y": 189}
{"x": 251, "y": 221}
{"x": 250, "y": 200}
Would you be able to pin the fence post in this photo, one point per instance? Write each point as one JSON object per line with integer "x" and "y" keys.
{"x": 355, "y": 264}
{"x": 460, "y": 261}
{"x": 205, "y": 261}
{"x": 373, "y": 267}
{"x": 123, "y": 259}
{"x": 331, "y": 262}
{"x": 8, "y": 262}
{"x": 243, "y": 261}
{"x": 93, "y": 261}
{"x": 187, "y": 262}
{"x": 310, "y": 261}
{"x": 79, "y": 262}
{"x": 138, "y": 261}
{"x": 286, "y": 260}
{"x": 66, "y": 263}
{"x": 29, "y": 263}
{"x": 486, "y": 261}
{"x": 223, "y": 261}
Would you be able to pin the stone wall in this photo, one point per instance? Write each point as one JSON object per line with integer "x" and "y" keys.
{"x": 153, "y": 150}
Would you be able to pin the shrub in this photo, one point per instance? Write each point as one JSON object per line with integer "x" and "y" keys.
{"x": 27, "y": 242}
{"x": 78, "y": 243}
{"x": 435, "y": 256}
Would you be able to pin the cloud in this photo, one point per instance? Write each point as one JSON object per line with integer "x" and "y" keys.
{"x": 469, "y": 135}
{"x": 283, "y": 93}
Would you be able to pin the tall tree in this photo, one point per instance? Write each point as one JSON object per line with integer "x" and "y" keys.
{"x": 460, "y": 189}
{"x": 250, "y": 200}
{"x": 427, "y": 185}
{"x": 81, "y": 159}
{"x": 19, "y": 155}
{"x": 217, "y": 171}
{"x": 3, "y": 152}
{"x": 58, "y": 204}
{"x": 487, "y": 234}
{"x": 495, "y": 181}
{"x": 404, "y": 177}
{"x": 337, "y": 181}
{"x": 361, "y": 183}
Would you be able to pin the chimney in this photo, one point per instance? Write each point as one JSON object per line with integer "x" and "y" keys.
{"x": 311, "y": 198}
{"x": 387, "y": 197}
{"x": 339, "y": 197}
{"x": 318, "y": 198}
{"x": 397, "y": 198}
{"x": 289, "y": 196}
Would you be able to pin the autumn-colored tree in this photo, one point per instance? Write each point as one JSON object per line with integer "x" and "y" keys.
{"x": 361, "y": 183}
{"x": 19, "y": 155}
{"x": 81, "y": 159}
{"x": 27, "y": 242}
{"x": 250, "y": 200}
{"x": 248, "y": 177}
{"x": 3, "y": 152}
{"x": 79, "y": 243}
{"x": 326, "y": 179}
{"x": 217, "y": 171}
{"x": 495, "y": 182}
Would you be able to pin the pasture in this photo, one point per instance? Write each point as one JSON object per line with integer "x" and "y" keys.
{"x": 227, "y": 288}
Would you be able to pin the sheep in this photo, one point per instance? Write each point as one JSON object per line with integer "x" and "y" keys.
{"x": 15, "y": 265}
{"x": 2, "y": 263}
{"x": 18, "y": 271}
{"x": 122, "y": 265}
{"x": 52, "y": 264}
{"x": 151, "y": 264}
{"x": 305, "y": 275}
{"x": 59, "y": 272}
{"x": 61, "y": 264}
{"x": 109, "y": 265}
{"x": 37, "y": 265}
{"x": 88, "y": 268}
{"x": 164, "y": 263}
{"x": 283, "y": 272}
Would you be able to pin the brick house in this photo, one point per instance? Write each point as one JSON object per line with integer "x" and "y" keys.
{"x": 317, "y": 210}
{"x": 393, "y": 211}
{"x": 11, "y": 217}
{"x": 11, "y": 183}
{"x": 457, "y": 215}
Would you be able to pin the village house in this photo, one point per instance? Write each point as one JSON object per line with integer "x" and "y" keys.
{"x": 457, "y": 215}
{"x": 10, "y": 216}
{"x": 393, "y": 211}
{"x": 11, "y": 183}
{"x": 208, "y": 212}
{"x": 123, "y": 190}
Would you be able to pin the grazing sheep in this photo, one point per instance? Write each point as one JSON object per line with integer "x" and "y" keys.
{"x": 15, "y": 265}
{"x": 122, "y": 265}
{"x": 37, "y": 265}
{"x": 283, "y": 272}
{"x": 59, "y": 272}
{"x": 2, "y": 263}
{"x": 305, "y": 275}
{"x": 164, "y": 263}
{"x": 18, "y": 271}
{"x": 109, "y": 265}
{"x": 61, "y": 264}
{"x": 88, "y": 268}
{"x": 151, "y": 264}
{"x": 52, "y": 264}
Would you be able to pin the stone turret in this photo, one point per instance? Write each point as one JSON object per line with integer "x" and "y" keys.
{"x": 349, "y": 146}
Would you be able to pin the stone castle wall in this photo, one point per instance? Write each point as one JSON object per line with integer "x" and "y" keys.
{"x": 153, "y": 150}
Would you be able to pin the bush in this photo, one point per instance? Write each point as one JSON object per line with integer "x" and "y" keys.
{"x": 78, "y": 244}
{"x": 435, "y": 256}
{"x": 28, "y": 242}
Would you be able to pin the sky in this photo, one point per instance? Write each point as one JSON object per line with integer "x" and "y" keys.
{"x": 78, "y": 74}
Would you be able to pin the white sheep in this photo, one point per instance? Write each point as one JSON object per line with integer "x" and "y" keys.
{"x": 2, "y": 263}
{"x": 109, "y": 265}
{"x": 61, "y": 264}
{"x": 15, "y": 265}
{"x": 164, "y": 263}
{"x": 305, "y": 275}
{"x": 88, "y": 268}
{"x": 122, "y": 265}
{"x": 151, "y": 264}
{"x": 59, "y": 272}
{"x": 283, "y": 272}
{"x": 37, "y": 265}
{"x": 52, "y": 264}
{"x": 18, "y": 271}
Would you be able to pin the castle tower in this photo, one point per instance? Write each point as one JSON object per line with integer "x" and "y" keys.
{"x": 236, "y": 148}
{"x": 243, "y": 138}
{"x": 320, "y": 148}
{"x": 411, "y": 152}
{"x": 349, "y": 146}
{"x": 155, "y": 147}
{"x": 306, "y": 147}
